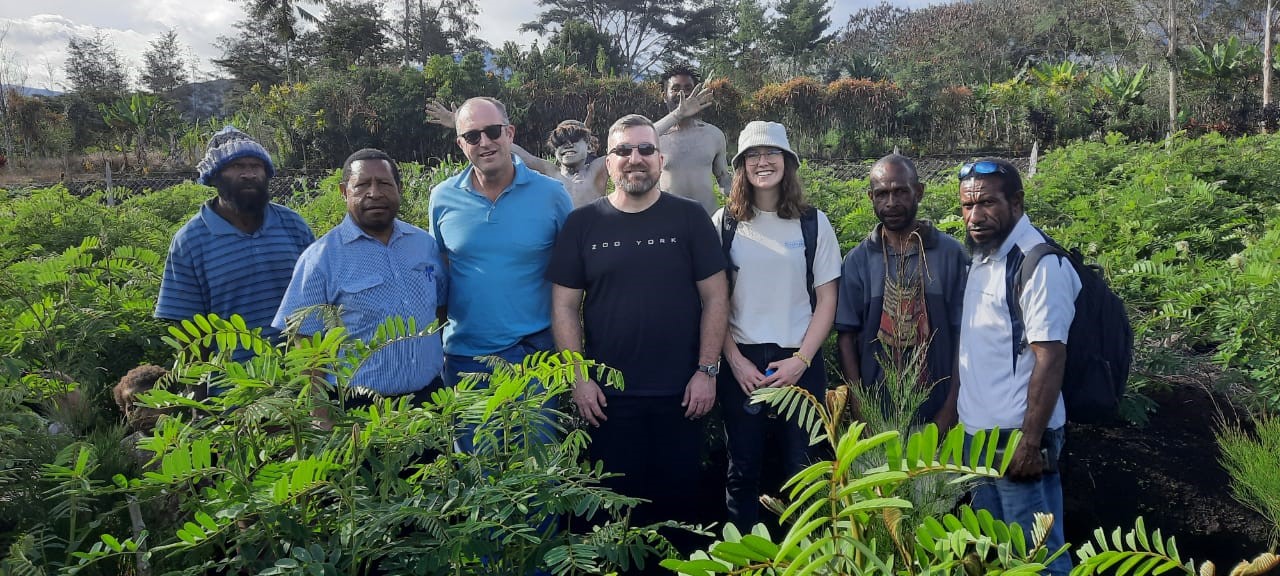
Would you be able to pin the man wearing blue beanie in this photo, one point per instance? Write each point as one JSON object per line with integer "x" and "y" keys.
{"x": 236, "y": 255}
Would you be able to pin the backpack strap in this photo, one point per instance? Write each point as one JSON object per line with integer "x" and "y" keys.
{"x": 728, "y": 229}
{"x": 809, "y": 229}
{"x": 1028, "y": 267}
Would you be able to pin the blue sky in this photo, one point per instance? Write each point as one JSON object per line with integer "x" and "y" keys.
{"x": 35, "y": 33}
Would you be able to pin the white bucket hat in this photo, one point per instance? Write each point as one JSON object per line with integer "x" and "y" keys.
{"x": 760, "y": 133}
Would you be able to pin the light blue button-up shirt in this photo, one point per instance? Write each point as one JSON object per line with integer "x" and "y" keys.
{"x": 371, "y": 282}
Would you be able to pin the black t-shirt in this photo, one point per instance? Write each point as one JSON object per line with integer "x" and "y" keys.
{"x": 642, "y": 313}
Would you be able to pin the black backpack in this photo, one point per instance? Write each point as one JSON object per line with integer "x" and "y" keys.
{"x": 1099, "y": 343}
{"x": 808, "y": 228}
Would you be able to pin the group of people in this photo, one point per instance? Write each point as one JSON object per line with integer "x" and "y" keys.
{"x": 696, "y": 305}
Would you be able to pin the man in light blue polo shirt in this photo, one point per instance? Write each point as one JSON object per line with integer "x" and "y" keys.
{"x": 236, "y": 255}
{"x": 495, "y": 223}
{"x": 374, "y": 266}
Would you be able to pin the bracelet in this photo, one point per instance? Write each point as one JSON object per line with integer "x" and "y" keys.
{"x": 802, "y": 357}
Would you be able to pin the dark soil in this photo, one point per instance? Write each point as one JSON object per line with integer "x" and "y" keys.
{"x": 1168, "y": 473}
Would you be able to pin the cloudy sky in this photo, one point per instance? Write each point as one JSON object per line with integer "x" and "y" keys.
{"x": 35, "y": 32}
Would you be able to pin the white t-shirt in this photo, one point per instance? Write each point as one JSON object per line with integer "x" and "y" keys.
{"x": 995, "y": 369}
{"x": 770, "y": 301}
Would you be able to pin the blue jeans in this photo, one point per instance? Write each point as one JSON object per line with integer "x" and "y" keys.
{"x": 455, "y": 367}
{"x": 1011, "y": 501}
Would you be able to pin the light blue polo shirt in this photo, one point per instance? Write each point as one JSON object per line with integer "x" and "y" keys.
{"x": 497, "y": 255}
{"x": 370, "y": 281}
{"x": 214, "y": 267}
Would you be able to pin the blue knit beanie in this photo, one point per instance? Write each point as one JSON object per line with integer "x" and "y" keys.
{"x": 227, "y": 145}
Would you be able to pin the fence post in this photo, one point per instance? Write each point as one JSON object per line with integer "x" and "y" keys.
{"x": 1035, "y": 155}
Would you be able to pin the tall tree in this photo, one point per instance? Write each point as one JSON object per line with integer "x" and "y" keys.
{"x": 738, "y": 49}
{"x": 579, "y": 43}
{"x": 253, "y": 56}
{"x": 94, "y": 66}
{"x": 352, "y": 33}
{"x": 429, "y": 27}
{"x": 644, "y": 32}
{"x": 864, "y": 45}
{"x": 799, "y": 33}
{"x": 162, "y": 66}
{"x": 281, "y": 17}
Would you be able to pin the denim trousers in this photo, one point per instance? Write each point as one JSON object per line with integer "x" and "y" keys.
{"x": 745, "y": 432}
{"x": 1012, "y": 501}
{"x": 456, "y": 367}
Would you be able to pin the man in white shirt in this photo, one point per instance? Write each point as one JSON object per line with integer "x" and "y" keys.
{"x": 1010, "y": 364}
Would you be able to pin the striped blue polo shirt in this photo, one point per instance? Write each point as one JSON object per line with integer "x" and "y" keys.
{"x": 370, "y": 282}
{"x": 214, "y": 267}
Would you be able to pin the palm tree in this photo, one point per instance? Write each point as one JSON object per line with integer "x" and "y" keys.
{"x": 282, "y": 16}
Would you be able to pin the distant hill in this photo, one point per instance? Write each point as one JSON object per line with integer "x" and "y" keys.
{"x": 29, "y": 91}
{"x": 201, "y": 100}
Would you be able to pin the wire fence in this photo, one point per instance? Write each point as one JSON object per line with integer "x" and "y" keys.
{"x": 294, "y": 183}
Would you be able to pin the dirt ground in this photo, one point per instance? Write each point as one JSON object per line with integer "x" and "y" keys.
{"x": 1168, "y": 473}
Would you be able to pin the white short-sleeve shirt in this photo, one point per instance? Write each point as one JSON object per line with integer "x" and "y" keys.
{"x": 770, "y": 303}
{"x": 995, "y": 365}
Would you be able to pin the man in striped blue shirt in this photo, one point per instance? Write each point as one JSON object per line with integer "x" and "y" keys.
{"x": 236, "y": 255}
{"x": 374, "y": 266}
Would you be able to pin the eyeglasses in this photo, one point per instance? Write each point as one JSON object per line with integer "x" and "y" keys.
{"x": 493, "y": 131}
{"x": 758, "y": 155}
{"x": 624, "y": 150}
{"x": 972, "y": 169}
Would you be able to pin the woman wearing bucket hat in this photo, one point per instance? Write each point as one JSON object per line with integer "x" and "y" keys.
{"x": 784, "y": 260}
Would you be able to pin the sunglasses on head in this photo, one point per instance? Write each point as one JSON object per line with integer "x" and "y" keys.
{"x": 973, "y": 169}
{"x": 624, "y": 150}
{"x": 493, "y": 131}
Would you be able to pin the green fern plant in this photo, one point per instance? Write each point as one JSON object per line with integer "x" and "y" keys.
{"x": 259, "y": 487}
{"x": 835, "y": 509}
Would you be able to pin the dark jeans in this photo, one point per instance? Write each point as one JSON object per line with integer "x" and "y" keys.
{"x": 745, "y": 433}
{"x": 657, "y": 451}
{"x": 455, "y": 367}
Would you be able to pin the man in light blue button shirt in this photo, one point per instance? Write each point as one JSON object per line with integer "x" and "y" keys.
{"x": 374, "y": 266}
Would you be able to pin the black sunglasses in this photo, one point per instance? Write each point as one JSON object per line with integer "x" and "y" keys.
{"x": 493, "y": 131}
{"x": 984, "y": 167}
{"x": 566, "y": 140}
{"x": 624, "y": 150}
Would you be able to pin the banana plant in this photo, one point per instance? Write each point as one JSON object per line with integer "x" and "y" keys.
{"x": 1224, "y": 61}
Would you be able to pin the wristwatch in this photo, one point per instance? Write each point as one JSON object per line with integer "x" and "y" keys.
{"x": 710, "y": 369}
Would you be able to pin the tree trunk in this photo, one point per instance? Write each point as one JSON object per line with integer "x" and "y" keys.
{"x": 1266, "y": 53}
{"x": 1171, "y": 58}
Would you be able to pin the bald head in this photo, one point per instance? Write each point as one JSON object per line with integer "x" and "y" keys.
{"x": 480, "y": 105}
{"x": 897, "y": 162}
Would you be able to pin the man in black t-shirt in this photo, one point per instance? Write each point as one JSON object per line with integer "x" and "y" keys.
{"x": 656, "y": 308}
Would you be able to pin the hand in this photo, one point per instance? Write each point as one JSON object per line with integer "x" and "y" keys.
{"x": 744, "y": 371}
{"x": 695, "y": 103}
{"x": 786, "y": 372}
{"x": 590, "y": 400}
{"x": 438, "y": 113}
{"x": 1027, "y": 464}
{"x": 699, "y": 395}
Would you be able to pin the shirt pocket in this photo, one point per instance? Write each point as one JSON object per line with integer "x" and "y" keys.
{"x": 361, "y": 303}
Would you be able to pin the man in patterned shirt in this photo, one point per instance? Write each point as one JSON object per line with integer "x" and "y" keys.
{"x": 374, "y": 266}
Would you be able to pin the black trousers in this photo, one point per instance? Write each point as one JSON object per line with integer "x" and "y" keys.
{"x": 745, "y": 433}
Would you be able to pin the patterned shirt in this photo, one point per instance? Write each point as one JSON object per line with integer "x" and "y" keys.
{"x": 370, "y": 281}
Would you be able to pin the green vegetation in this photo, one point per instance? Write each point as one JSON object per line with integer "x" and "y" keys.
{"x": 1187, "y": 231}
